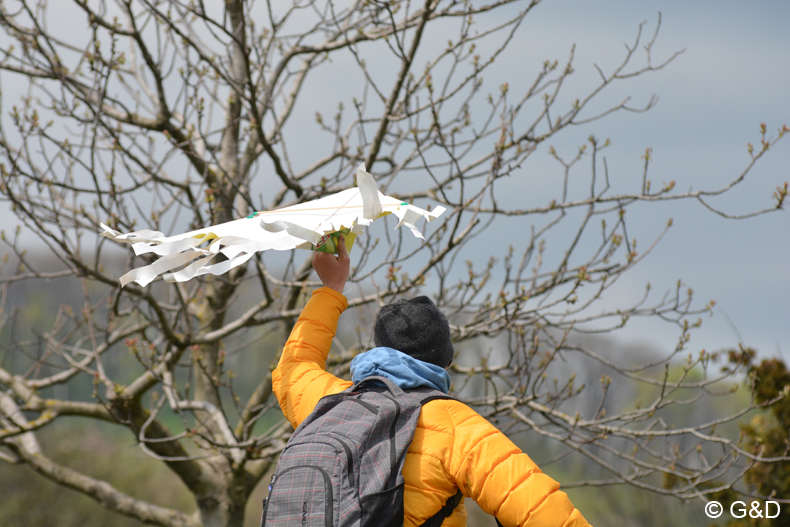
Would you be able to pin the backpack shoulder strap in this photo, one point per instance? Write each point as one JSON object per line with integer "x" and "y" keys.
{"x": 437, "y": 519}
{"x": 435, "y": 395}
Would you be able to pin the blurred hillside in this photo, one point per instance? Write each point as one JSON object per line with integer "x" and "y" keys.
{"x": 113, "y": 454}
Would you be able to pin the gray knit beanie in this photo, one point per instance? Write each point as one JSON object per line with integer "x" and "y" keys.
{"x": 417, "y": 328}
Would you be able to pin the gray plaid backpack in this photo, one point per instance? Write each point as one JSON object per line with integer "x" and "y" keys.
{"x": 342, "y": 466}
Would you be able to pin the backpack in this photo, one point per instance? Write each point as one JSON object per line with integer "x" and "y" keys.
{"x": 342, "y": 465}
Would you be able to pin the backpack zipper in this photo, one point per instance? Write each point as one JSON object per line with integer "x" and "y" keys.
{"x": 368, "y": 406}
{"x": 393, "y": 446}
{"x": 350, "y": 463}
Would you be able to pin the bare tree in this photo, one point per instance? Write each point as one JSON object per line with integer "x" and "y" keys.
{"x": 178, "y": 114}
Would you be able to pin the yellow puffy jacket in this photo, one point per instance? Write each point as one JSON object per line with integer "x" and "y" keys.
{"x": 453, "y": 448}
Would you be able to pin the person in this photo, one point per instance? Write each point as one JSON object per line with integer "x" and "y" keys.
{"x": 453, "y": 447}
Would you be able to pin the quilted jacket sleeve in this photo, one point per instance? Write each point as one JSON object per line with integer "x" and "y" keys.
{"x": 299, "y": 381}
{"x": 504, "y": 481}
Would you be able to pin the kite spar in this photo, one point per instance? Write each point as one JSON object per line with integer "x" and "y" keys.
{"x": 308, "y": 225}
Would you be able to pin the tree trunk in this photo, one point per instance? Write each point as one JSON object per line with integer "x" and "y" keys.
{"x": 223, "y": 505}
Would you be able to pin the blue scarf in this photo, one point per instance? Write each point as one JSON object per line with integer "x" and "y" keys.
{"x": 403, "y": 370}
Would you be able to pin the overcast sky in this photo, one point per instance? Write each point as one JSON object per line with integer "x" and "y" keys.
{"x": 733, "y": 75}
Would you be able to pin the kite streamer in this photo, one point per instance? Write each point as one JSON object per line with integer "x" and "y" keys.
{"x": 312, "y": 225}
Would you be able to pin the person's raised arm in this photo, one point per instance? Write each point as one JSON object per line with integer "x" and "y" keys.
{"x": 300, "y": 379}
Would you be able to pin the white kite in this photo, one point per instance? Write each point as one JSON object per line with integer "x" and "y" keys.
{"x": 312, "y": 225}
